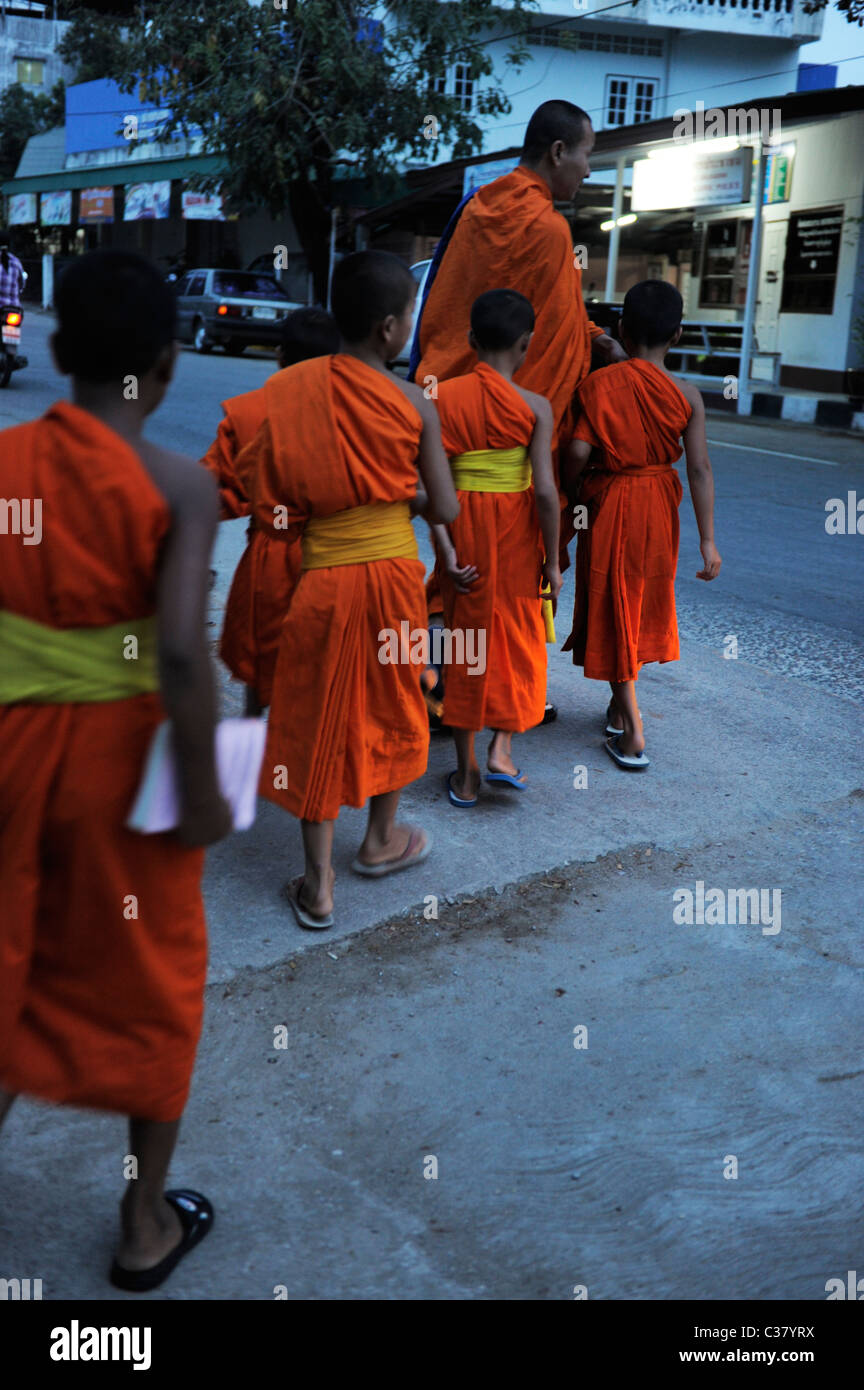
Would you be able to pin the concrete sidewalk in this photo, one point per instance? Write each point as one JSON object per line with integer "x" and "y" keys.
{"x": 732, "y": 747}
{"x": 433, "y": 1132}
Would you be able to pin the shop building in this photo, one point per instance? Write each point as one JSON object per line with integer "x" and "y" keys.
{"x": 773, "y": 285}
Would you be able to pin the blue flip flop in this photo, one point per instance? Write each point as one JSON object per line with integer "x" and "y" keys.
{"x": 507, "y": 779}
{"x": 457, "y": 800}
{"x": 630, "y": 762}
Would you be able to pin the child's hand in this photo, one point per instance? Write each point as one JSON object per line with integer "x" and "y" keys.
{"x": 553, "y": 579}
{"x": 461, "y": 576}
{"x": 205, "y": 824}
{"x": 711, "y": 556}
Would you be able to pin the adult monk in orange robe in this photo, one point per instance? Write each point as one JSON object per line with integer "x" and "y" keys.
{"x": 336, "y": 463}
{"x": 510, "y": 236}
{"x": 102, "y": 937}
{"x": 492, "y": 559}
{"x": 267, "y": 573}
{"x": 634, "y": 415}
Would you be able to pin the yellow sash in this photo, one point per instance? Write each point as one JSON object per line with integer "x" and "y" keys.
{"x": 498, "y": 470}
{"x": 80, "y": 665}
{"x": 377, "y": 531}
{"x": 492, "y": 470}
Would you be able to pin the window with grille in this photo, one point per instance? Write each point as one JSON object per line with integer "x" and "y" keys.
{"x": 463, "y": 85}
{"x": 630, "y": 100}
{"x": 457, "y": 83}
{"x": 593, "y": 41}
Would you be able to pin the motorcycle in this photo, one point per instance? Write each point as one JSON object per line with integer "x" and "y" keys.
{"x": 11, "y": 316}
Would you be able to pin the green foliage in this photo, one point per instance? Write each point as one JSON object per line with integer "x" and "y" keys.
{"x": 296, "y": 95}
{"x": 853, "y": 9}
{"x": 24, "y": 113}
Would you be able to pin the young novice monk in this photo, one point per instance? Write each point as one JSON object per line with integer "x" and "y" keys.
{"x": 491, "y": 561}
{"x": 102, "y": 937}
{"x": 268, "y": 570}
{"x": 634, "y": 415}
{"x": 336, "y": 463}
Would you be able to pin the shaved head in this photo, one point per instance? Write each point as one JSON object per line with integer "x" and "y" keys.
{"x": 369, "y": 286}
{"x": 554, "y": 120}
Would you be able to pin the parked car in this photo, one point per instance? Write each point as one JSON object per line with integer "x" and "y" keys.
{"x": 420, "y": 271}
{"x": 231, "y": 309}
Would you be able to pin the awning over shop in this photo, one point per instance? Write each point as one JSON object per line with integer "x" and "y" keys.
{"x": 131, "y": 171}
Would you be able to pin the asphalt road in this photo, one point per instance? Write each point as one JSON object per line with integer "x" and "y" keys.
{"x": 437, "y": 1019}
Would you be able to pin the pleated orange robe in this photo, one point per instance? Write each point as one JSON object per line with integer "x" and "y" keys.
{"x": 343, "y": 725}
{"x": 624, "y": 615}
{"x": 509, "y": 236}
{"x": 102, "y": 932}
{"x": 267, "y": 573}
{"x": 500, "y": 534}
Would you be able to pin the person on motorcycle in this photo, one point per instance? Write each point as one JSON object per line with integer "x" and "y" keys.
{"x": 11, "y": 277}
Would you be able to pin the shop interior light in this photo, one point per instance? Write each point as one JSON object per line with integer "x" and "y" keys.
{"x": 626, "y": 221}
{"x": 708, "y": 145}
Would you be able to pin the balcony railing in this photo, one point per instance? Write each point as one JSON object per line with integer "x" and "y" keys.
{"x": 777, "y": 19}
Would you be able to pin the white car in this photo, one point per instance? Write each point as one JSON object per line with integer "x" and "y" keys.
{"x": 420, "y": 271}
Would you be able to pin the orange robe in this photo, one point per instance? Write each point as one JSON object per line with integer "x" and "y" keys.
{"x": 102, "y": 933}
{"x": 500, "y": 534}
{"x": 268, "y": 571}
{"x": 509, "y": 236}
{"x": 343, "y": 726}
{"x": 624, "y": 616}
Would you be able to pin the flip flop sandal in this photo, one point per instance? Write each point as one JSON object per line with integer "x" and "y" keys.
{"x": 406, "y": 860}
{"x": 305, "y": 918}
{"x": 550, "y": 714}
{"x": 453, "y": 798}
{"x": 507, "y": 779}
{"x": 630, "y": 762}
{"x": 196, "y": 1217}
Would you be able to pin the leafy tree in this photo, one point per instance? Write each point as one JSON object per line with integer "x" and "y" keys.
{"x": 853, "y": 9}
{"x": 24, "y": 113}
{"x": 297, "y": 95}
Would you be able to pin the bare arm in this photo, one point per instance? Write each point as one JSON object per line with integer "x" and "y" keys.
{"x": 573, "y": 462}
{"x": 701, "y": 482}
{"x": 546, "y": 497}
{"x": 461, "y": 576}
{"x": 185, "y": 671}
{"x": 437, "y": 480}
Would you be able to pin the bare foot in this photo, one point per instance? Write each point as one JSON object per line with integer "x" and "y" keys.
{"x": 148, "y": 1235}
{"x": 467, "y": 787}
{"x": 316, "y": 893}
{"x": 614, "y": 718}
{"x": 374, "y": 851}
{"x": 499, "y": 758}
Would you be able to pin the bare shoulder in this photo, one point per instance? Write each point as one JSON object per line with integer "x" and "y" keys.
{"x": 539, "y": 404}
{"x": 418, "y": 398}
{"x": 690, "y": 393}
{"x": 409, "y": 389}
{"x": 183, "y": 482}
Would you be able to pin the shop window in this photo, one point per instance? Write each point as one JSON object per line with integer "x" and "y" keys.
{"x": 31, "y": 72}
{"x": 810, "y": 266}
{"x": 629, "y": 100}
{"x": 725, "y": 257}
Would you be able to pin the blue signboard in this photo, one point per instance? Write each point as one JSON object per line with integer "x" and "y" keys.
{"x": 101, "y": 117}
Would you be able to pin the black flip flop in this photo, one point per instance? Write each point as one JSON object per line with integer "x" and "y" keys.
{"x": 196, "y": 1218}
